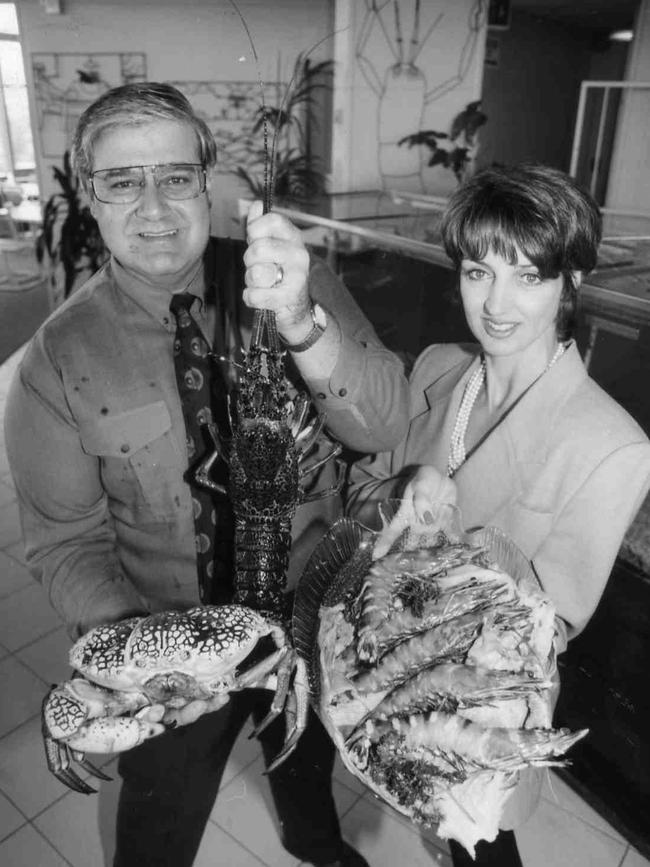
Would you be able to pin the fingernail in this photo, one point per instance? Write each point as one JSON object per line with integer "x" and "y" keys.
{"x": 428, "y": 518}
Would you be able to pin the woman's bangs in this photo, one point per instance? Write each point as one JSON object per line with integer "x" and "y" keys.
{"x": 506, "y": 236}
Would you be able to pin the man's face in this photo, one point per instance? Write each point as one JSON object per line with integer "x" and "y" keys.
{"x": 156, "y": 239}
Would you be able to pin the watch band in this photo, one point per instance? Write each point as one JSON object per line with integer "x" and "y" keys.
{"x": 317, "y": 331}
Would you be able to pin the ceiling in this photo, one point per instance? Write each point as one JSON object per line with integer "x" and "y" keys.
{"x": 594, "y": 15}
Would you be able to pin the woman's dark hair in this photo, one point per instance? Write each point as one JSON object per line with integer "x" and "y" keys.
{"x": 536, "y": 209}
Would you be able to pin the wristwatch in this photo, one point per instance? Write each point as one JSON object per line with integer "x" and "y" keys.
{"x": 319, "y": 324}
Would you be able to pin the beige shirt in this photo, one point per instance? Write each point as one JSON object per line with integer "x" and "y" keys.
{"x": 96, "y": 443}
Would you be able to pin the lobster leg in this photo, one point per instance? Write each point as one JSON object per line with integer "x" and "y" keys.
{"x": 202, "y": 474}
{"x": 338, "y": 483}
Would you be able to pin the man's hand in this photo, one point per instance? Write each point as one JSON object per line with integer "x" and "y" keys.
{"x": 423, "y": 496}
{"x": 277, "y": 270}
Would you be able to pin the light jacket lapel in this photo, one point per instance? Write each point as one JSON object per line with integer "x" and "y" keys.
{"x": 517, "y": 445}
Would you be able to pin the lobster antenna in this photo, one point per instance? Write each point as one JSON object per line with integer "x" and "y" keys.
{"x": 292, "y": 81}
{"x": 268, "y": 174}
{"x": 262, "y": 321}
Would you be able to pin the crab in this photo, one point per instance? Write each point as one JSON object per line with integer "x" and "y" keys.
{"x": 170, "y": 658}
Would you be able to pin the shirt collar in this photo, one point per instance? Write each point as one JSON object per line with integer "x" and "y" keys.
{"x": 152, "y": 299}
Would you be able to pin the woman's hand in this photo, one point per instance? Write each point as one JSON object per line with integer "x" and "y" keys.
{"x": 426, "y": 491}
{"x": 277, "y": 271}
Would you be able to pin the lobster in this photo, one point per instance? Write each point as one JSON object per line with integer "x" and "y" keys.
{"x": 268, "y": 456}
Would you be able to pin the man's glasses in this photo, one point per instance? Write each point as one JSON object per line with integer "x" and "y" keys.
{"x": 123, "y": 186}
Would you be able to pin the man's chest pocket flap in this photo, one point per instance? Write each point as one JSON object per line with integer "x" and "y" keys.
{"x": 141, "y": 464}
{"x": 122, "y": 434}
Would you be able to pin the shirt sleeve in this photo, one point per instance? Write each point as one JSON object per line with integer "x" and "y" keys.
{"x": 67, "y": 530}
{"x": 365, "y": 399}
{"x": 575, "y": 560}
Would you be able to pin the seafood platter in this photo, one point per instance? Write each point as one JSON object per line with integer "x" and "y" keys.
{"x": 432, "y": 667}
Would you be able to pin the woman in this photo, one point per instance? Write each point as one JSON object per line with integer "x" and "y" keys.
{"x": 513, "y": 429}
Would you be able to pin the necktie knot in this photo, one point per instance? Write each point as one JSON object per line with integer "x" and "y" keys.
{"x": 181, "y": 301}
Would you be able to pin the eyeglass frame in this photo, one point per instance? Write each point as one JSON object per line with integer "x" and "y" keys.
{"x": 152, "y": 167}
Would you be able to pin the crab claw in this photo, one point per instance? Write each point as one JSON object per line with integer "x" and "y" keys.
{"x": 60, "y": 756}
{"x": 72, "y": 724}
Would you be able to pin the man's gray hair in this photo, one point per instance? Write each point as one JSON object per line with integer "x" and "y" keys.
{"x": 131, "y": 105}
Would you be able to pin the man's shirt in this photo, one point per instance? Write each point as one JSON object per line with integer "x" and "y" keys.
{"x": 96, "y": 437}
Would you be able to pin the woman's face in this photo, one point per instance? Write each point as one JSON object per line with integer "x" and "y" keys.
{"x": 509, "y": 308}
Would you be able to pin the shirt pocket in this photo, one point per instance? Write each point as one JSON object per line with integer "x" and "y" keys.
{"x": 141, "y": 466}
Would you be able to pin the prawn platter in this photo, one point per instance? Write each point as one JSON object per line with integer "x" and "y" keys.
{"x": 432, "y": 668}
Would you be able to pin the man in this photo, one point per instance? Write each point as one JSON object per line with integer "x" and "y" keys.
{"x": 97, "y": 442}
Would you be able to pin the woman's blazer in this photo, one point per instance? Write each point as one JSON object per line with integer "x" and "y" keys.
{"x": 563, "y": 472}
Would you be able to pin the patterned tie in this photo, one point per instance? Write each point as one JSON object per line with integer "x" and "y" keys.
{"x": 202, "y": 392}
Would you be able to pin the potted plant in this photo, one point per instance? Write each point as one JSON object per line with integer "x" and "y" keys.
{"x": 296, "y": 171}
{"x": 70, "y": 236}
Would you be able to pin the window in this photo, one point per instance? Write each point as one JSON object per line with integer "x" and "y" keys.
{"x": 16, "y": 141}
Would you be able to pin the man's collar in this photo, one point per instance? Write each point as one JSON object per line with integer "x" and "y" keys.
{"x": 155, "y": 299}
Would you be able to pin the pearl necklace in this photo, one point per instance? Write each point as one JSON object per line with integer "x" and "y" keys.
{"x": 457, "y": 454}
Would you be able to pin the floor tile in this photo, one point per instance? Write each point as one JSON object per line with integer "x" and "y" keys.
{"x": 24, "y": 776}
{"x": 635, "y": 859}
{"x": 26, "y": 692}
{"x": 10, "y": 531}
{"x": 245, "y": 751}
{"x": 10, "y": 818}
{"x": 217, "y": 848}
{"x": 25, "y": 616}
{"x": 562, "y": 795}
{"x": 244, "y": 809}
{"x": 553, "y": 837}
{"x": 386, "y": 842}
{"x": 344, "y": 776}
{"x": 27, "y": 848}
{"x": 48, "y": 656}
{"x": 82, "y": 827}
{"x": 13, "y": 575}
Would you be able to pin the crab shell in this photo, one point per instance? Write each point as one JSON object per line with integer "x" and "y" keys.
{"x": 171, "y": 655}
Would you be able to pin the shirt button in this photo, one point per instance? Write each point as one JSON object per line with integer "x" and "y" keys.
{"x": 342, "y": 392}
{"x": 125, "y": 448}
{"x": 321, "y": 395}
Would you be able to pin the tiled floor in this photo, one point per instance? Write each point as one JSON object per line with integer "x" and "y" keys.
{"x": 42, "y": 824}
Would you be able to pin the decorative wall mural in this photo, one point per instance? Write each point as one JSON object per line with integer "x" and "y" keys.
{"x": 389, "y": 51}
{"x": 66, "y": 84}
{"x": 230, "y": 110}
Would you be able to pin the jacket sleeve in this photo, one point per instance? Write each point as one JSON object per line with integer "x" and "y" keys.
{"x": 365, "y": 399}
{"x": 69, "y": 539}
{"x": 575, "y": 560}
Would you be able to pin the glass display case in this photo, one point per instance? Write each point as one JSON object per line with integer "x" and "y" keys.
{"x": 386, "y": 247}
